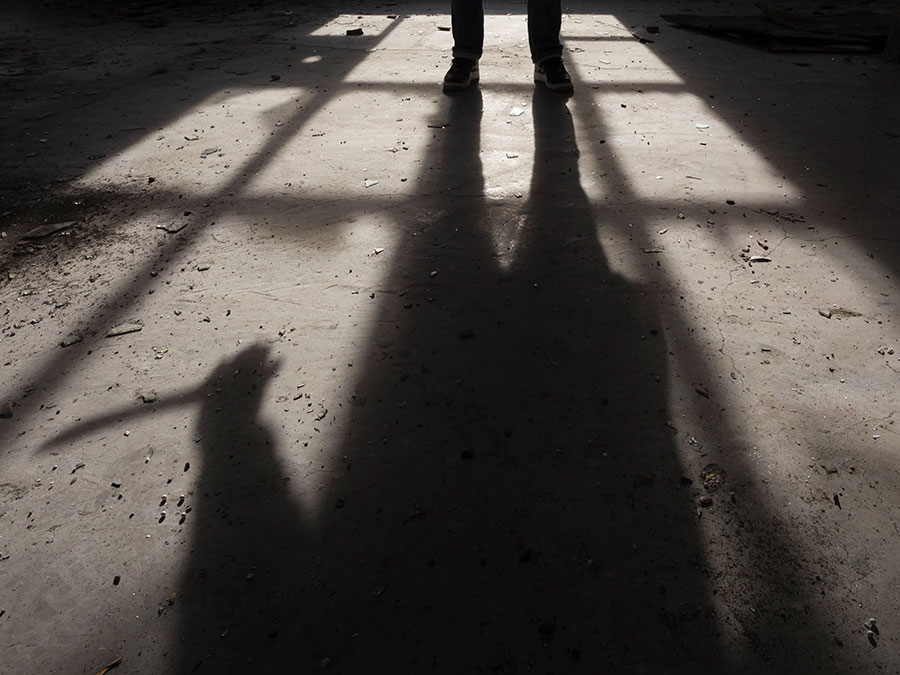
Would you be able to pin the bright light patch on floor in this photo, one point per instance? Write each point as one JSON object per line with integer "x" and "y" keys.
{"x": 675, "y": 146}
{"x": 202, "y": 149}
{"x": 339, "y": 165}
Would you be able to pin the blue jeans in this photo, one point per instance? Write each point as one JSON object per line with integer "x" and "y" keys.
{"x": 544, "y": 18}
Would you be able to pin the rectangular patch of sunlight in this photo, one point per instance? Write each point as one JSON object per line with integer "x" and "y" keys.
{"x": 673, "y": 146}
{"x": 605, "y": 53}
{"x": 209, "y": 146}
{"x": 356, "y": 145}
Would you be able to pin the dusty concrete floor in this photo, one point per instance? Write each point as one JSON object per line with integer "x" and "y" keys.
{"x": 423, "y": 384}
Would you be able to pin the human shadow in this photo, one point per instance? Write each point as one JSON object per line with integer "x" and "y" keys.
{"x": 246, "y": 528}
{"x": 515, "y": 502}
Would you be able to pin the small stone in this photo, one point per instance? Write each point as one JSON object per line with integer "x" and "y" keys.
{"x": 124, "y": 329}
{"x": 706, "y": 501}
{"x": 172, "y": 228}
{"x": 46, "y": 230}
{"x": 825, "y": 312}
{"x": 70, "y": 340}
{"x": 202, "y": 267}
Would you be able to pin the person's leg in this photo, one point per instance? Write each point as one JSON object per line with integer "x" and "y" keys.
{"x": 544, "y": 20}
{"x": 468, "y": 28}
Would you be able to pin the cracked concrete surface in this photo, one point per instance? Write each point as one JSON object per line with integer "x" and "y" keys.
{"x": 425, "y": 385}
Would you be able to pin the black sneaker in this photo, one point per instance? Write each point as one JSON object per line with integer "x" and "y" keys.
{"x": 553, "y": 73}
{"x": 462, "y": 73}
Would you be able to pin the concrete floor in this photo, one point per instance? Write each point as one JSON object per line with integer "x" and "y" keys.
{"x": 457, "y": 384}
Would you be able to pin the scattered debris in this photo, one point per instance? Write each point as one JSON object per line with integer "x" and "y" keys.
{"x": 516, "y": 111}
{"x": 208, "y": 151}
{"x": 370, "y": 183}
{"x": 758, "y": 259}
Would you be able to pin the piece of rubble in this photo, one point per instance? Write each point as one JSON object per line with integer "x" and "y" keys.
{"x": 124, "y": 329}
{"x": 48, "y": 229}
{"x": 70, "y": 340}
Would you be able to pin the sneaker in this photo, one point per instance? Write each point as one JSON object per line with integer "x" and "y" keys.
{"x": 462, "y": 73}
{"x": 552, "y": 72}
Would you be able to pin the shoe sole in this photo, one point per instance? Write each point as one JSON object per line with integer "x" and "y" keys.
{"x": 459, "y": 86}
{"x": 542, "y": 79}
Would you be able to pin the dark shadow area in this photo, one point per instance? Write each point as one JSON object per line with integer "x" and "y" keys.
{"x": 243, "y": 585}
{"x": 498, "y": 512}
